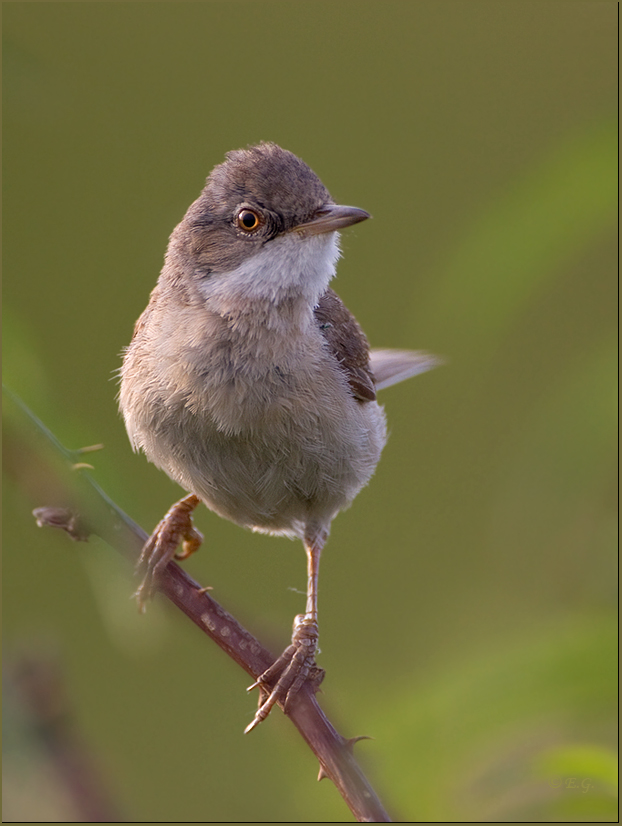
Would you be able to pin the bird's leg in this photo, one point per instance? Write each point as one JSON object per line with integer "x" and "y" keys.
{"x": 174, "y": 530}
{"x": 296, "y": 665}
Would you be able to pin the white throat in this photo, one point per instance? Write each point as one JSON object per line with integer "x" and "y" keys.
{"x": 288, "y": 270}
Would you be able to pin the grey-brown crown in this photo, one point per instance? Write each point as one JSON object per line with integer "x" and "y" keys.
{"x": 269, "y": 177}
{"x": 276, "y": 179}
{"x": 277, "y": 182}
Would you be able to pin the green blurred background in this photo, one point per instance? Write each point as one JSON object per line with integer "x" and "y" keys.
{"x": 467, "y": 598}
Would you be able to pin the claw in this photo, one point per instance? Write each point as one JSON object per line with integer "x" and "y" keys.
{"x": 286, "y": 676}
{"x": 263, "y": 711}
{"x": 174, "y": 529}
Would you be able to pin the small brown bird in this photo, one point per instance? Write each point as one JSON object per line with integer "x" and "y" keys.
{"x": 249, "y": 382}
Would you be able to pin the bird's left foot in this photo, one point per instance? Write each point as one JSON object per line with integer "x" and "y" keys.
{"x": 296, "y": 666}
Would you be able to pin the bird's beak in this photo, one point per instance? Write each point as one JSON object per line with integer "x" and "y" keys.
{"x": 331, "y": 217}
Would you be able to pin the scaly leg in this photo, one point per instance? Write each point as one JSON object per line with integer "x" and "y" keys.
{"x": 296, "y": 665}
{"x": 174, "y": 530}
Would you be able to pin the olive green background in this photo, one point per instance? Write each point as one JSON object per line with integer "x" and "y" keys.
{"x": 467, "y": 598}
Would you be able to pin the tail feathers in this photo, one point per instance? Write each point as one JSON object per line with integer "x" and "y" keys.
{"x": 392, "y": 366}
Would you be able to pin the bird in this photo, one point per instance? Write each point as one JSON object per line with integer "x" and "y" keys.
{"x": 249, "y": 382}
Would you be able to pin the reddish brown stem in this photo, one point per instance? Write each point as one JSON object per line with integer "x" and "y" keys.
{"x": 333, "y": 751}
{"x": 86, "y": 509}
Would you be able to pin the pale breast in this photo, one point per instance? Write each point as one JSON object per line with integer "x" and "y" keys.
{"x": 266, "y": 436}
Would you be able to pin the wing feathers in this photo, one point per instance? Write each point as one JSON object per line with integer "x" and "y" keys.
{"x": 366, "y": 371}
{"x": 348, "y": 344}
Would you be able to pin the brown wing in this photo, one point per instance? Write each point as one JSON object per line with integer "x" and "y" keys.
{"x": 348, "y": 344}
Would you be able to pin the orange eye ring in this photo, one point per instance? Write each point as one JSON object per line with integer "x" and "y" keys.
{"x": 248, "y": 220}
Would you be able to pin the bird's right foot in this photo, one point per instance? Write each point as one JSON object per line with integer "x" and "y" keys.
{"x": 173, "y": 530}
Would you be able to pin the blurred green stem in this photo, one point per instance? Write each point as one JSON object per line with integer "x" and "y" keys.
{"x": 80, "y": 506}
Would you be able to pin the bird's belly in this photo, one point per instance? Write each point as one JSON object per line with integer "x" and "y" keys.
{"x": 292, "y": 468}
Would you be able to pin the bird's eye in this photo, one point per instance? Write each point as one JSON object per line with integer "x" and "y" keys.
{"x": 248, "y": 220}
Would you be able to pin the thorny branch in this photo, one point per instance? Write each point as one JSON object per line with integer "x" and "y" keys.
{"x": 87, "y": 509}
